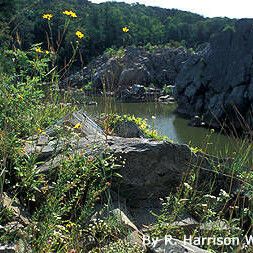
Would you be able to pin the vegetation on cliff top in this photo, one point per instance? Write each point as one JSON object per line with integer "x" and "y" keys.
{"x": 102, "y": 26}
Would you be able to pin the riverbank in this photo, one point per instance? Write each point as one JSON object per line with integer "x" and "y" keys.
{"x": 167, "y": 123}
{"x": 89, "y": 180}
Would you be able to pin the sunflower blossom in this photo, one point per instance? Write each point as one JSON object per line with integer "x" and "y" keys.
{"x": 125, "y": 29}
{"x": 70, "y": 14}
{"x": 47, "y": 16}
{"x": 79, "y": 34}
{"x": 77, "y": 126}
{"x": 38, "y": 50}
{"x": 41, "y": 131}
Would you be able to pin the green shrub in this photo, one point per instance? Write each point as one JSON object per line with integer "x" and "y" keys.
{"x": 113, "y": 52}
{"x": 110, "y": 121}
{"x": 80, "y": 182}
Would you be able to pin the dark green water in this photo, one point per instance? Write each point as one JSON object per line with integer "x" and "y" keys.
{"x": 169, "y": 124}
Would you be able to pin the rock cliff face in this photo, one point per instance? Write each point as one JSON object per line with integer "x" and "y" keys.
{"x": 217, "y": 82}
{"x": 137, "y": 66}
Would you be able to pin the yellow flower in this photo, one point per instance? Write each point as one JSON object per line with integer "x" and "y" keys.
{"x": 125, "y": 29}
{"x": 70, "y": 14}
{"x": 67, "y": 13}
{"x": 47, "y": 16}
{"x": 40, "y": 131}
{"x": 78, "y": 125}
{"x": 80, "y": 35}
{"x": 73, "y": 14}
{"x": 47, "y": 52}
{"x": 38, "y": 50}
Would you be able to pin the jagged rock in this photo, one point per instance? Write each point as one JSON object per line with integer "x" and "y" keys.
{"x": 217, "y": 81}
{"x": 135, "y": 93}
{"x": 48, "y": 145}
{"x": 136, "y": 66}
{"x": 15, "y": 224}
{"x": 153, "y": 93}
{"x": 117, "y": 213}
{"x": 138, "y": 90}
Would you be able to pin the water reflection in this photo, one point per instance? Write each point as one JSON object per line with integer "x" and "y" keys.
{"x": 169, "y": 124}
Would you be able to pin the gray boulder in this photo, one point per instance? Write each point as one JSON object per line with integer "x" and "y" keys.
{"x": 128, "y": 129}
{"x": 134, "y": 75}
{"x": 152, "y": 168}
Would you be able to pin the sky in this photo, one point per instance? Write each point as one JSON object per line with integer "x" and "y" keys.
{"x": 207, "y": 8}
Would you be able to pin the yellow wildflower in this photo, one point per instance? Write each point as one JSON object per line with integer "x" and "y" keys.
{"x": 40, "y": 131}
{"x": 47, "y": 16}
{"x": 67, "y": 13}
{"x": 47, "y": 52}
{"x": 38, "y": 50}
{"x": 80, "y": 35}
{"x": 73, "y": 14}
{"x": 78, "y": 125}
{"x": 125, "y": 29}
{"x": 70, "y": 14}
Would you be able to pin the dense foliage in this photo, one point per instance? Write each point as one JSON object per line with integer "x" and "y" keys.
{"x": 102, "y": 25}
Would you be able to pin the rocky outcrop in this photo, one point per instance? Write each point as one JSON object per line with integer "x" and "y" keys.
{"x": 217, "y": 82}
{"x": 137, "y": 66}
{"x": 152, "y": 168}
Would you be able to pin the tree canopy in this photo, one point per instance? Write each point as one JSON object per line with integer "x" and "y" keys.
{"x": 102, "y": 25}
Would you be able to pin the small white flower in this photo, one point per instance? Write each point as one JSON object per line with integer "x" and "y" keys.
{"x": 187, "y": 186}
{"x": 224, "y": 194}
{"x": 209, "y": 196}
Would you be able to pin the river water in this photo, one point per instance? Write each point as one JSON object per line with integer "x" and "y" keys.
{"x": 170, "y": 124}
